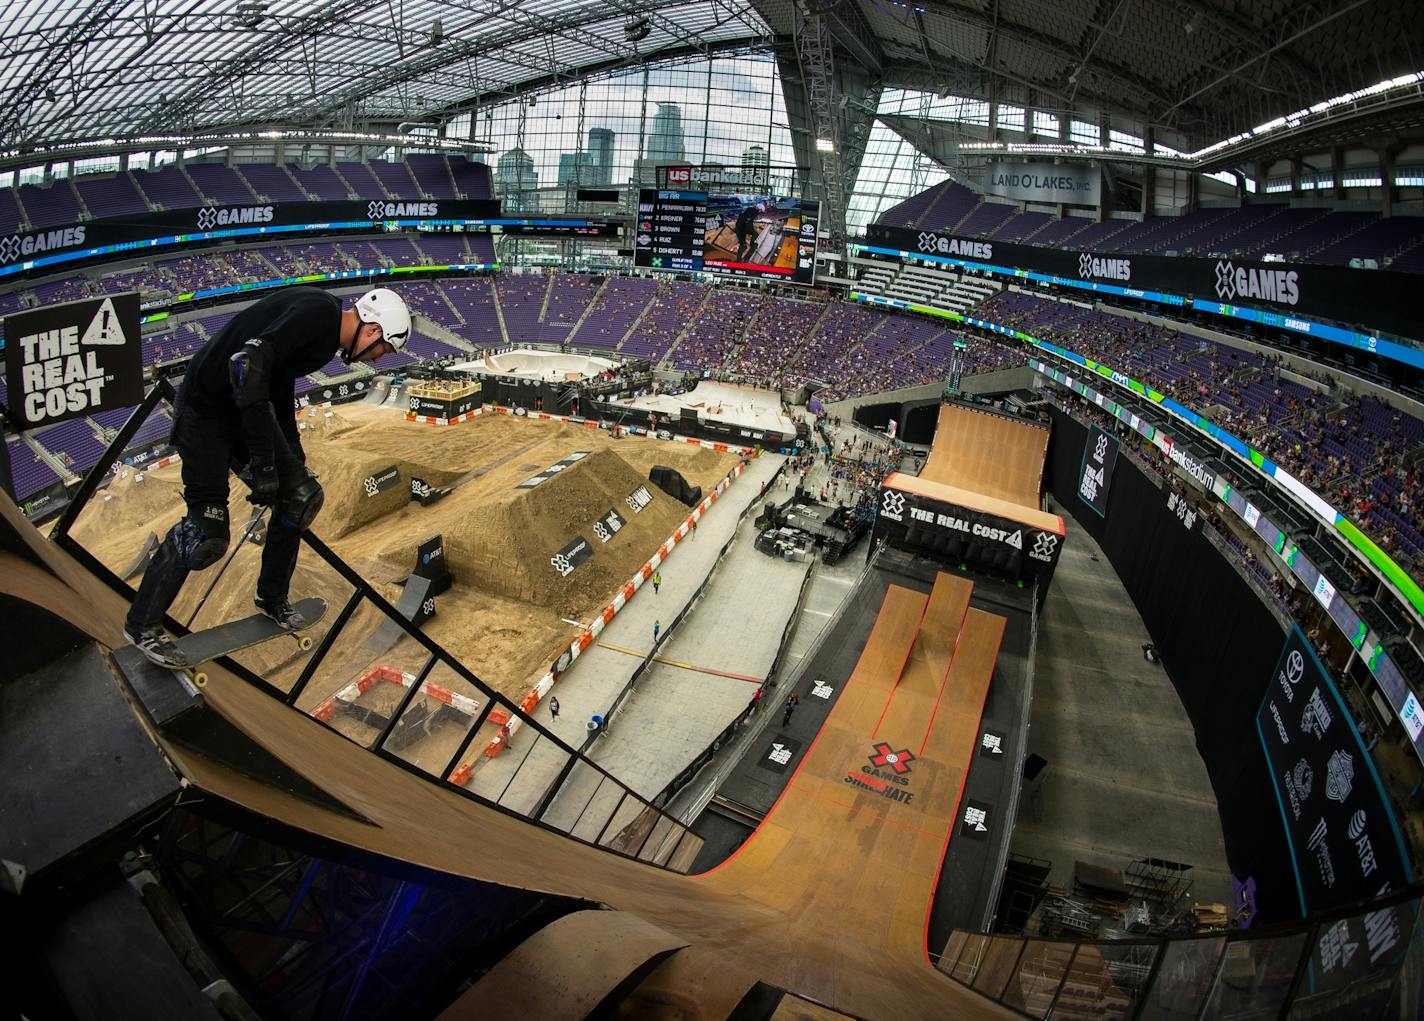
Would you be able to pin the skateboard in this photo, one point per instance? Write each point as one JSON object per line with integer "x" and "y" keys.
{"x": 225, "y": 639}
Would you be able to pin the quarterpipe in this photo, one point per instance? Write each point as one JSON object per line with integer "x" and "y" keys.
{"x": 828, "y": 899}
{"x": 989, "y": 454}
{"x": 975, "y": 501}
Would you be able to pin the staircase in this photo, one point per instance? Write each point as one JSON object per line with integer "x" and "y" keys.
{"x": 298, "y": 184}
{"x": 587, "y": 310}
{"x": 26, "y": 224}
{"x": 133, "y": 179}
{"x": 84, "y": 213}
{"x": 683, "y": 332}
{"x": 631, "y": 326}
{"x": 192, "y": 183}
{"x": 49, "y": 458}
{"x": 544, "y": 305}
{"x": 943, "y": 191}
{"x": 448, "y": 303}
{"x": 350, "y": 191}
{"x": 499, "y": 313}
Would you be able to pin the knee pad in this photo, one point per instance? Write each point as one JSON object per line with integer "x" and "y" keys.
{"x": 298, "y": 506}
{"x": 201, "y": 538}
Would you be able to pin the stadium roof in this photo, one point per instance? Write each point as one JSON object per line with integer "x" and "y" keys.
{"x": 1205, "y": 69}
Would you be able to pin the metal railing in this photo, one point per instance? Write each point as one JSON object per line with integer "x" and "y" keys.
{"x": 1366, "y": 961}
{"x": 370, "y": 646}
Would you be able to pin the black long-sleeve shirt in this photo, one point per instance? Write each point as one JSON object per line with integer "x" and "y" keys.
{"x": 300, "y": 327}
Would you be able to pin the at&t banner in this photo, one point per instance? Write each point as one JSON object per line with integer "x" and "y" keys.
{"x": 1342, "y": 832}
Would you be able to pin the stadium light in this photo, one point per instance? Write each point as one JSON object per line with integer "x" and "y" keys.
{"x": 825, "y": 145}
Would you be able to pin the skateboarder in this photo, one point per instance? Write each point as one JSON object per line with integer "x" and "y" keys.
{"x": 745, "y": 229}
{"x": 235, "y": 409}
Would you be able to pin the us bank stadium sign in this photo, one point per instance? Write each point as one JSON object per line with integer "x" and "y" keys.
{"x": 98, "y": 237}
{"x": 1211, "y": 285}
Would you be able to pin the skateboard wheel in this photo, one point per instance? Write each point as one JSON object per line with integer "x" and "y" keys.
{"x": 200, "y": 679}
{"x": 304, "y": 643}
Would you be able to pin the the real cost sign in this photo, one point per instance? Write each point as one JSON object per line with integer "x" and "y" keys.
{"x": 69, "y": 360}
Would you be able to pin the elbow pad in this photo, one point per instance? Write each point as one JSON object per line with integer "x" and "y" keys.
{"x": 250, "y": 373}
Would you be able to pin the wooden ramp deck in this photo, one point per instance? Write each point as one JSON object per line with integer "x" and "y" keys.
{"x": 987, "y": 454}
{"x": 828, "y": 899}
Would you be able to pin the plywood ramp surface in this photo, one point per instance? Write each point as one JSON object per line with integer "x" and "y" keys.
{"x": 852, "y": 850}
{"x": 837, "y": 953}
{"x": 987, "y": 454}
{"x": 565, "y": 969}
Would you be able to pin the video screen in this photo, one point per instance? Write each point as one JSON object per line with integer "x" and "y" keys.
{"x": 761, "y": 235}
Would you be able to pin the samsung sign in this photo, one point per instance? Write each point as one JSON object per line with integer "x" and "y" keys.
{"x": 1045, "y": 182}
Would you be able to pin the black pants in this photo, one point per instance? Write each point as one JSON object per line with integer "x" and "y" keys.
{"x": 210, "y": 448}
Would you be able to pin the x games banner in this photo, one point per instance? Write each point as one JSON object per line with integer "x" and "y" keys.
{"x": 254, "y": 217}
{"x": 1328, "y": 292}
{"x": 1342, "y": 832}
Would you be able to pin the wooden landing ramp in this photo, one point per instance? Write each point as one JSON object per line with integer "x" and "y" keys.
{"x": 852, "y": 850}
{"x": 828, "y": 899}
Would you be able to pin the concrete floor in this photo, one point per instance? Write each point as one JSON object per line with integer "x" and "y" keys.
{"x": 1124, "y": 779}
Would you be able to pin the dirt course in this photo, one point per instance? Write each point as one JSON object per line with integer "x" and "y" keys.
{"x": 506, "y": 615}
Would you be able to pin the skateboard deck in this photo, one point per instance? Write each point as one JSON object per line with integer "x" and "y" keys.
{"x": 225, "y": 639}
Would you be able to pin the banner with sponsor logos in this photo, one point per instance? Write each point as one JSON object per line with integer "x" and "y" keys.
{"x": 1099, "y": 460}
{"x": 954, "y": 534}
{"x": 1341, "y": 830}
{"x": 1331, "y": 292}
{"x": 1068, "y": 183}
{"x": 71, "y": 360}
{"x": 575, "y": 552}
{"x": 381, "y": 481}
{"x": 19, "y": 247}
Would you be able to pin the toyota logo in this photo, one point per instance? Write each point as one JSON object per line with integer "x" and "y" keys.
{"x": 206, "y": 218}
{"x": 1225, "y": 280}
{"x": 1295, "y": 666}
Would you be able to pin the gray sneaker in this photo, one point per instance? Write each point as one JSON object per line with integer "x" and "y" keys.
{"x": 282, "y": 613}
{"x": 155, "y": 644}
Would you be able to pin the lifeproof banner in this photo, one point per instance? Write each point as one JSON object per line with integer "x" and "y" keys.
{"x": 1099, "y": 460}
{"x": 1344, "y": 840}
{"x": 71, "y": 360}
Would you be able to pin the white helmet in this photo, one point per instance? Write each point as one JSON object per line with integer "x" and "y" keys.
{"x": 387, "y": 310}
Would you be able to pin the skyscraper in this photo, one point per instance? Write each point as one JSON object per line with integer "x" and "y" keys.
{"x": 600, "y": 148}
{"x": 755, "y": 163}
{"x": 516, "y": 181}
{"x": 577, "y": 168}
{"x": 665, "y": 138}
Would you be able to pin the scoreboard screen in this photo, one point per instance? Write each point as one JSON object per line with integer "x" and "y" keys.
{"x": 762, "y": 236}
{"x": 670, "y": 229}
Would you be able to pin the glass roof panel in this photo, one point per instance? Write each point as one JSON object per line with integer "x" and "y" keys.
{"x": 182, "y": 65}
